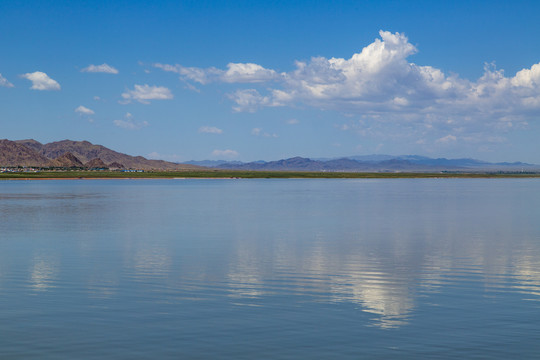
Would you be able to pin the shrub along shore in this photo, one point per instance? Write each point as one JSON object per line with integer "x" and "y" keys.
{"x": 234, "y": 174}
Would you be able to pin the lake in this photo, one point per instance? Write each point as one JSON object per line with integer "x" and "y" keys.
{"x": 270, "y": 269}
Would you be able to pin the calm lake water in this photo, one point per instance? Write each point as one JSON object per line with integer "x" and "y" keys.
{"x": 270, "y": 269}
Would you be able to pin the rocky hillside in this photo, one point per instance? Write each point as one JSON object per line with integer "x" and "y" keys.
{"x": 66, "y": 160}
{"x": 79, "y": 154}
{"x": 14, "y": 154}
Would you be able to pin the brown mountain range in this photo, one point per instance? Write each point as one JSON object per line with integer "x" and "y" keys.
{"x": 14, "y": 154}
{"x": 68, "y": 153}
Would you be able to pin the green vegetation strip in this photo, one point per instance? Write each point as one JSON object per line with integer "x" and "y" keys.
{"x": 253, "y": 175}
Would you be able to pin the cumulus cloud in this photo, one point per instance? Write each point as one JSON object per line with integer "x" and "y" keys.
{"x": 129, "y": 124}
{"x": 378, "y": 79}
{"x": 293, "y": 122}
{"x": 247, "y": 73}
{"x": 235, "y": 73}
{"x": 250, "y": 100}
{"x": 4, "y": 82}
{"x": 224, "y": 153}
{"x": 41, "y": 81}
{"x": 144, "y": 93}
{"x": 210, "y": 130}
{"x": 103, "y": 68}
{"x": 84, "y": 110}
{"x": 527, "y": 78}
{"x": 388, "y": 92}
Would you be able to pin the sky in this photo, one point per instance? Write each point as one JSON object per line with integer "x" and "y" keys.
{"x": 250, "y": 80}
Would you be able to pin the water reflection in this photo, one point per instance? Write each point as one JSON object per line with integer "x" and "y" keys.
{"x": 378, "y": 293}
{"x": 527, "y": 277}
{"x": 325, "y": 276}
{"x": 245, "y": 277}
{"x": 384, "y": 263}
{"x": 386, "y": 287}
{"x": 151, "y": 262}
{"x": 356, "y": 244}
{"x": 102, "y": 285}
{"x": 43, "y": 272}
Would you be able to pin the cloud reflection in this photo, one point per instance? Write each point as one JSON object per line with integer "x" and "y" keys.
{"x": 43, "y": 273}
{"x": 377, "y": 293}
{"x": 304, "y": 246}
{"x": 383, "y": 277}
{"x": 246, "y": 277}
{"x": 527, "y": 274}
{"x": 151, "y": 262}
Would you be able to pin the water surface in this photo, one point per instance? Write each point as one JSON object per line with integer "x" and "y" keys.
{"x": 270, "y": 269}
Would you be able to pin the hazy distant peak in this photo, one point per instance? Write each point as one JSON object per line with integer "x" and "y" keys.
{"x": 377, "y": 162}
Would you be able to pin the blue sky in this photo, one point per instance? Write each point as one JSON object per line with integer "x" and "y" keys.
{"x": 245, "y": 80}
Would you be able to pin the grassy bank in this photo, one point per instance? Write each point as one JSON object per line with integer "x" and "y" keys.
{"x": 251, "y": 175}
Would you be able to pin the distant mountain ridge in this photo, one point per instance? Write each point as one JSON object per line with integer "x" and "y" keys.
{"x": 83, "y": 154}
{"x": 375, "y": 163}
{"x": 69, "y": 153}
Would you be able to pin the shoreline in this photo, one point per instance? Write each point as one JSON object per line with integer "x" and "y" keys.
{"x": 232, "y": 175}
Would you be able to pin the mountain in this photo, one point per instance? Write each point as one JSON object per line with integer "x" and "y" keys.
{"x": 96, "y": 163}
{"x": 86, "y": 151}
{"x": 67, "y": 160}
{"x": 211, "y": 163}
{"x": 364, "y": 158}
{"x": 31, "y": 144}
{"x": 68, "y": 153}
{"x": 15, "y": 154}
{"x": 336, "y": 165}
{"x": 83, "y": 154}
{"x": 376, "y": 163}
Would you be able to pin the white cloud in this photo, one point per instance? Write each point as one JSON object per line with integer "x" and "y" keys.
{"x": 235, "y": 73}
{"x": 4, "y": 82}
{"x": 260, "y": 132}
{"x": 144, "y": 93}
{"x": 247, "y": 73}
{"x": 103, "y": 68}
{"x": 248, "y": 100}
{"x": 224, "y": 153}
{"x": 528, "y": 78}
{"x": 377, "y": 79}
{"x": 202, "y": 76}
{"x": 191, "y": 87}
{"x": 210, "y": 130}
{"x": 41, "y": 81}
{"x": 446, "y": 139}
{"x": 167, "y": 157}
{"x": 84, "y": 110}
{"x": 293, "y": 122}
{"x": 154, "y": 156}
{"x": 129, "y": 124}
{"x": 394, "y": 96}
